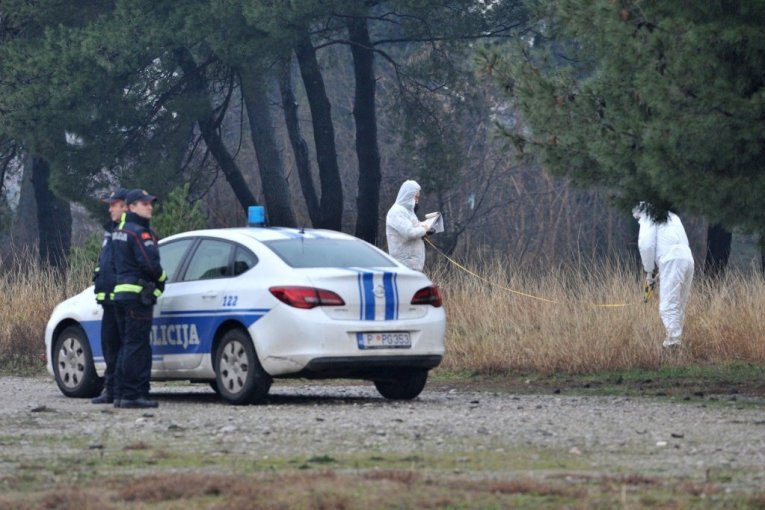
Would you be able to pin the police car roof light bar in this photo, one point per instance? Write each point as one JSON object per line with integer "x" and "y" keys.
{"x": 256, "y": 216}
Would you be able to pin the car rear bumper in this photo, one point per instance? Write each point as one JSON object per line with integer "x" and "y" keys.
{"x": 365, "y": 367}
{"x": 312, "y": 344}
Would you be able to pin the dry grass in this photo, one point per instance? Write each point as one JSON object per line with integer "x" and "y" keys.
{"x": 330, "y": 490}
{"x": 29, "y": 294}
{"x": 492, "y": 330}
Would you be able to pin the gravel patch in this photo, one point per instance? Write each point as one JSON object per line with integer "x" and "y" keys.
{"x": 699, "y": 440}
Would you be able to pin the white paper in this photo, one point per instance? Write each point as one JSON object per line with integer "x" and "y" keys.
{"x": 435, "y": 221}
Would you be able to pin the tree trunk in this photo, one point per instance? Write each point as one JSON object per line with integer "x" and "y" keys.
{"x": 324, "y": 135}
{"x": 718, "y": 250}
{"x": 299, "y": 145}
{"x": 365, "y": 117}
{"x": 278, "y": 201}
{"x": 24, "y": 233}
{"x": 208, "y": 126}
{"x": 54, "y": 217}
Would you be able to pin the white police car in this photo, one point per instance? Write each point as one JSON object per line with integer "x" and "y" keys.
{"x": 245, "y": 305}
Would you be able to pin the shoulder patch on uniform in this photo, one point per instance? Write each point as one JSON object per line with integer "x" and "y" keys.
{"x": 145, "y": 235}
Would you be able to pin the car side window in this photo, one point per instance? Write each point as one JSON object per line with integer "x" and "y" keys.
{"x": 210, "y": 260}
{"x": 243, "y": 261}
{"x": 171, "y": 255}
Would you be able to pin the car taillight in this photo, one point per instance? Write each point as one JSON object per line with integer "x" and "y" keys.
{"x": 306, "y": 297}
{"x": 427, "y": 296}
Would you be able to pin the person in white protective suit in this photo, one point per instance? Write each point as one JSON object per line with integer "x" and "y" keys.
{"x": 664, "y": 248}
{"x": 404, "y": 231}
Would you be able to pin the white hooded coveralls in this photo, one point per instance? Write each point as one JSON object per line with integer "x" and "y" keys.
{"x": 665, "y": 245}
{"x": 404, "y": 231}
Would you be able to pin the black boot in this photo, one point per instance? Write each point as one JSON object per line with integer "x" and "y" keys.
{"x": 103, "y": 398}
{"x": 138, "y": 403}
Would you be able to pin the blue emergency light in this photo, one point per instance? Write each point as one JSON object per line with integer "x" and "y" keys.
{"x": 256, "y": 216}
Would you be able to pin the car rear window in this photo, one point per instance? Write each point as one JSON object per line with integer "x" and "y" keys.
{"x": 305, "y": 252}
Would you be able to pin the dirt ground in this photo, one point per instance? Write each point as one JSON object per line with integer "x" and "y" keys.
{"x": 451, "y": 427}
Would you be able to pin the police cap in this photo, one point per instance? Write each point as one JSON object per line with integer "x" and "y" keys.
{"x": 139, "y": 195}
{"x": 117, "y": 194}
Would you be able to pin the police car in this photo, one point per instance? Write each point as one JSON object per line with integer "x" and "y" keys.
{"x": 245, "y": 305}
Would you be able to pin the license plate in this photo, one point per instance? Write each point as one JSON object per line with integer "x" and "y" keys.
{"x": 384, "y": 340}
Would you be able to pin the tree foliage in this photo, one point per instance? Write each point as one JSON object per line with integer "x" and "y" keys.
{"x": 177, "y": 213}
{"x": 135, "y": 91}
{"x": 652, "y": 100}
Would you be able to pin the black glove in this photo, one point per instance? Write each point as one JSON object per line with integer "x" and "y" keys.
{"x": 147, "y": 293}
{"x": 430, "y": 232}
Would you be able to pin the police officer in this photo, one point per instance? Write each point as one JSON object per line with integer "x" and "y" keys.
{"x": 140, "y": 280}
{"x": 104, "y": 278}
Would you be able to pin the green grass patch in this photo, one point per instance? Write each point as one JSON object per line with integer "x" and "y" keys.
{"x": 382, "y": 486}
{"x": 165, "y": 475}
{"x": 691, "y": 382}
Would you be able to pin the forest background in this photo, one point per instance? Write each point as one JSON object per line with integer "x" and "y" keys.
{"x": 533, "y": 126}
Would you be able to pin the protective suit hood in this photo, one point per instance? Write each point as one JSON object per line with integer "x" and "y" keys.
{"x": 638, "y": 212}
{"x": 406, "y": 194}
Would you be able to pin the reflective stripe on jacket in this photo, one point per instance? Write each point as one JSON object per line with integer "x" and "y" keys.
{"x": 136, "y": 257}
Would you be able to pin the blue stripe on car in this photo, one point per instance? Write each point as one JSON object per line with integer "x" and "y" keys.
{"x": 395, "y": 293}
{"x": 361, "y": 296}
{"x": 227, "y": 311}
{"x": 390, "y": 300}
{"x": 180, "y": 332}
{"x": 369, "y": 294}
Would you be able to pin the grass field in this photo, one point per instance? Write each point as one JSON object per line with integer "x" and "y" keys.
{"x": 506, "y": 320}
{"x": 580, "y": 322}
{"x": 337, "y": 484}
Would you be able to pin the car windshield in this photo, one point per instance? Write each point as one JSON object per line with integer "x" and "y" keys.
{"x": 306, "y": 252}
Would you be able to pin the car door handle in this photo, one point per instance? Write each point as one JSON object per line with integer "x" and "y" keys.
{"x": 210, "y": 295}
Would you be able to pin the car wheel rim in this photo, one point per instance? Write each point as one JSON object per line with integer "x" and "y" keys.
{"x": 234, "y": 366}
{"x": 71, "y": 362}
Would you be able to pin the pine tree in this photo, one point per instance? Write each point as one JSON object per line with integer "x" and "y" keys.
{"x": 653, "y": 100}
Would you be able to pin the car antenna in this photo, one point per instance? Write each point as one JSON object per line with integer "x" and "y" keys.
{"x": 302, "y": 230}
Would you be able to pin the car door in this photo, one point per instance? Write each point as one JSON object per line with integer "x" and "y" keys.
{"x": 172, "y": 255}
{"x": 190, "y": 309}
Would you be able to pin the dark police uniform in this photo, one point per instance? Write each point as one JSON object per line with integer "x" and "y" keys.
{"x": 104, "y": 279}
{"x": 140, "y": 280}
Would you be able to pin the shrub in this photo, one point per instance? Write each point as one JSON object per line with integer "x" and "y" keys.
{"x": 177, "y": 213}
{"x": 83, "y": 259}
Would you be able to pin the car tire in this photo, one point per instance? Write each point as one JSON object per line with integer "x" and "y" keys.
{"x": 73, "y": 366}
{"x": 238, "y": 374}
{"x": 405, "y": 385}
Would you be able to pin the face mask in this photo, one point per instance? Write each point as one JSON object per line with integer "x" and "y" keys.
{"x": 416, "y": 208}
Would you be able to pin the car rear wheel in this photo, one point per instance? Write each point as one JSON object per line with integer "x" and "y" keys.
{"x": 404, "y": 385}
{"x": 73, "y": 365}
{"x": 238, "y": 375}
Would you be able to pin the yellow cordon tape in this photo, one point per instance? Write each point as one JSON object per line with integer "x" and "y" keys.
{"x": 647, "y": 292}
{"x": 472, "y": 273}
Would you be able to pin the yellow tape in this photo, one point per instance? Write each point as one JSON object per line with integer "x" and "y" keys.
{"x": 647, "y": 292}
{"x": 463, "y": 268}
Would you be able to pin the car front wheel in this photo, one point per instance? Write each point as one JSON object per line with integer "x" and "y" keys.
{"x": 73, "y": 365}
{"x": 238, "y": 375}
{"x": 404, "y": 385}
